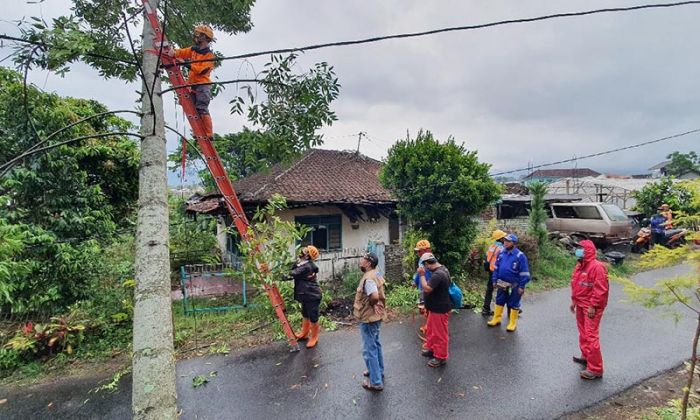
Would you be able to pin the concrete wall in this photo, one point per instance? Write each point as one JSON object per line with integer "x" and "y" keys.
{"x": 351, "y": 238}
{"x": 393, "y": 257}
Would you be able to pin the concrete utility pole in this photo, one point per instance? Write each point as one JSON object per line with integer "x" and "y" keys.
{"x": 153, "y": 393}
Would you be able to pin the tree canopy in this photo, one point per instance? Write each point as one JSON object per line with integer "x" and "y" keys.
{"x": 681, "y": 163}
{"x": 677, "y": 195}
{"x": 58, "y": 207}
{"x": 441, "y": 187}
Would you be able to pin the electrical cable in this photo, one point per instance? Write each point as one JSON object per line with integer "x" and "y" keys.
{"x": 599, "y": 153}
{"x": 451, "y": 29}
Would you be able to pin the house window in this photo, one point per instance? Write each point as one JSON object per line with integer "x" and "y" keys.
{"x": 325, "y": 231}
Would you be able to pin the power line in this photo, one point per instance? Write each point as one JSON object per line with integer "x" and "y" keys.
{"x": 530, "y": 168}
{"x": 450, "y": 29}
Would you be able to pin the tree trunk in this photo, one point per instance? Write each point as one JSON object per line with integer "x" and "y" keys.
{"x": 153, "y": 393}
{"x": 689, "y": 386}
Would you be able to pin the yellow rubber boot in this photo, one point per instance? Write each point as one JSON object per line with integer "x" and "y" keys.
{"x": 512, "y": 320}
{"x": 305, "y": 324}
{"x": 313, "y": 339}
{"x": 497, "y": 316}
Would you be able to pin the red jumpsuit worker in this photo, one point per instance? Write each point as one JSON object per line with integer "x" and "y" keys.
{"x": 589, "y": 297}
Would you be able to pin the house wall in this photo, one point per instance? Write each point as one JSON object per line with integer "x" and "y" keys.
{"x": 351, "y": 238}
{"x": 354, "y": 241}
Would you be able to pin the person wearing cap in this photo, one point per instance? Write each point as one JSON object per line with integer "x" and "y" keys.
{"x": 658, "y": 224}
{"x": 439, "y": 305}
{"x": 668, "y": 214}
{"x": 589, "y": 297}
{"x": 199, "y": 72}
{"x": 308, "y": 293}
{"x": 490, "y": 265}
{"x": 369, "y": 309}
{"x": 511, "y": 274}
{"x": 422, "y": 247}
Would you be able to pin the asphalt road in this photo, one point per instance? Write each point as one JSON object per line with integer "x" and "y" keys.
{"x": 491, "y": 373}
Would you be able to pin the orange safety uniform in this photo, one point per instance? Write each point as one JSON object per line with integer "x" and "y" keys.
{"x": 492, "y": 255}
{"x": 199, "y": 72}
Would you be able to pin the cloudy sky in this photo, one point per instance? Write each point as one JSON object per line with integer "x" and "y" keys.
{"x": 520, "y": 95}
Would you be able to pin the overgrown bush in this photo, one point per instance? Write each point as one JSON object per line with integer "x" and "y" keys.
{"x": 401, "y": 298}
{"x": 440, "y": 199}
{"x": 678, "y": 195}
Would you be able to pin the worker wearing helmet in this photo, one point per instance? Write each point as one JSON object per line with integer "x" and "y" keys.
{"x": 422, "y": 247}
{"x": 308, "y": 293}
{"x": 510, "y": 276}
{"x": 199, "y": 72}
{"x": 490, "y": 265}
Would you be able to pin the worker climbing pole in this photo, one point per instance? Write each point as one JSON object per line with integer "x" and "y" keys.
{"x": 194, "y": 96}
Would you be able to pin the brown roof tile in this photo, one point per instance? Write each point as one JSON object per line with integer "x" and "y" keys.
{"x": 323, "y": 176}
{"x": 318, "y": 176}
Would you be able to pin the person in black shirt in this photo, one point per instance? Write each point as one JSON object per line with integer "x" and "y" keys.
{"x": 439, "y": 305}
{"x": 308, "y": 293}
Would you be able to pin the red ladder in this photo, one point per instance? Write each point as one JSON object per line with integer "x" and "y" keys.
{"x": 223, "y": 183}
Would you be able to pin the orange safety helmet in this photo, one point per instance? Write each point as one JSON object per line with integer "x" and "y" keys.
{"x": 206, "y": 30}
{"x": 312, "y": 252}
{"x": 422, "y": 244}
{"x": 498, "y": 234}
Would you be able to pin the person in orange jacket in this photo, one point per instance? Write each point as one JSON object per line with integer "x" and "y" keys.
{"x": 490, "y": 266}
{"x": 589, "y": 297}
{"x": 199, "y": 72}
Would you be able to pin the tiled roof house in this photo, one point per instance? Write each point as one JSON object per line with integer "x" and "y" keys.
{"x": 336, "y": 193}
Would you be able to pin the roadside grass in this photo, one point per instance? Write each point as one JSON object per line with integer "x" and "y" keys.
{"x": 554, "y": 266}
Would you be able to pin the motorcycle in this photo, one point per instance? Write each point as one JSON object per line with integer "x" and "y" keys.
{"x": 672, "y": 238}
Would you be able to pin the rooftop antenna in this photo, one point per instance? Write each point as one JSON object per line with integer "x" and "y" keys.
{"x": 359, "y": 140}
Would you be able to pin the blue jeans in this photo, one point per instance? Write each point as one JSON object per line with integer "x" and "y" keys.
{"x": 372, "y": 351}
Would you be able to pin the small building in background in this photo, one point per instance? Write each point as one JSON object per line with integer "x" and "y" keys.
{"x": 551, "y": 175}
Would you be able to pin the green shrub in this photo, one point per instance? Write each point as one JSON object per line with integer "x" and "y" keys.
{"x": 402, "y": 298}
{"x": 10, "y": 360}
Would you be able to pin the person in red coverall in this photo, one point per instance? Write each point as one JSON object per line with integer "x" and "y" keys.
{"x": 589, "y": 297}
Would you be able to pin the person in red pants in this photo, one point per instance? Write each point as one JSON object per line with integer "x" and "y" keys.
{"x": 439, "y": 305}
{"x": 589, "y": 297}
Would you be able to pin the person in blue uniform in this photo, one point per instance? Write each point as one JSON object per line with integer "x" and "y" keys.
{"x": 511, "y": 274}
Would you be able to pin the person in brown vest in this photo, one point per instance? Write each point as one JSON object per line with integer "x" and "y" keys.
{"x": 369, "y": 309}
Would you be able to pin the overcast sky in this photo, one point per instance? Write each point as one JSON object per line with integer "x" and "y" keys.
{"x": 520, "y": 95}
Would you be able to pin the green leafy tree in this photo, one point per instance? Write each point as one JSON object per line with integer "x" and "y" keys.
{"x": 61, "y": 208}
{"x": 440, "y": 187}
{"x": 666, "y": 190}
{"x": 538, "y": 215}
{"x": 269, "y": 244}
{"x": 682, "y": 163}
